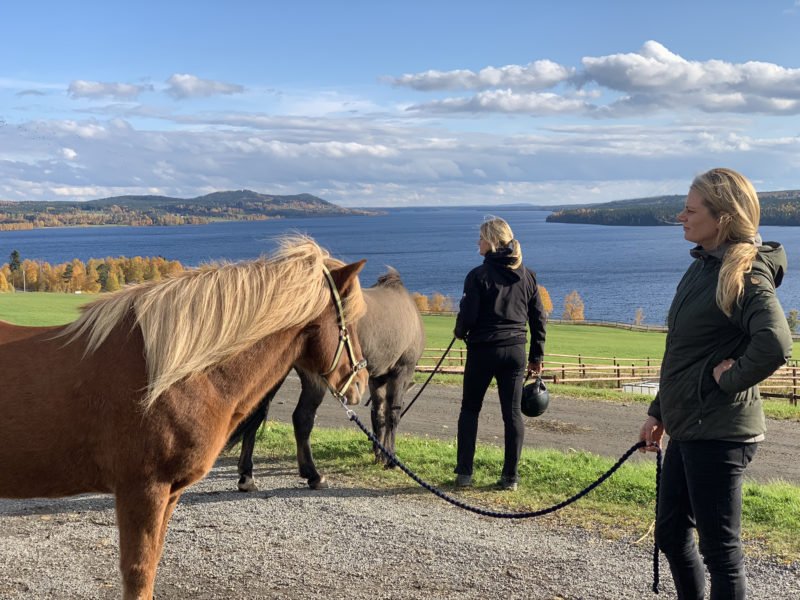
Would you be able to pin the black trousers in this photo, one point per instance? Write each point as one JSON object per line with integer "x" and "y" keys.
{"x": 701, "y": 488}
{"x": 507, "y": 365}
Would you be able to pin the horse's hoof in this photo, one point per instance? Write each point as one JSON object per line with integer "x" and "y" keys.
{"x": 319, "y": 484}
{"x": 247, "y": 484}
{"x": 389, "y": 465}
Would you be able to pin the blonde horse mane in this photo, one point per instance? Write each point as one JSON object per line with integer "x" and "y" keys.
{"x": 199, "y": 318}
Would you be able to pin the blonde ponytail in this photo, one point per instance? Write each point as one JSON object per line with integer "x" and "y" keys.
{"x": 738, "y": 260}
{"x": 733, "y": 200}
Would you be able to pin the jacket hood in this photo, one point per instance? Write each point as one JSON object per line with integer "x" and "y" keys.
{"x": 499, "y": 264}
{"x": 770, "y": 261}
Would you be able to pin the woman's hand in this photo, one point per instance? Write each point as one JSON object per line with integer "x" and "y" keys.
{"x": 651, "y": 432}
{"x": 534, "y": 368}
{"x": 722, "y": 367}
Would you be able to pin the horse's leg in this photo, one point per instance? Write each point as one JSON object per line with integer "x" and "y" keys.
{"x": 142, "y": 514}
{"x": 303, "y": 421}
{"x": 249, "y": 430}
{"x": 396, "y": 386}
{"x": 377, "y": 389}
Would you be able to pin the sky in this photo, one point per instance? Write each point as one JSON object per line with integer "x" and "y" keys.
{"x": 411, "y": 103}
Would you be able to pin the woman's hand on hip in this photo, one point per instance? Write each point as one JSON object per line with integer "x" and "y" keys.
{"x": 722, "y": 367}
{"x": 651, "y": 432}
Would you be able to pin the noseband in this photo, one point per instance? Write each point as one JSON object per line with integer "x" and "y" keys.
{"x": 344, "y": 343}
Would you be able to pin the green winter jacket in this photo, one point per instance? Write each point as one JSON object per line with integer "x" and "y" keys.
{"x": 689, "y": 402}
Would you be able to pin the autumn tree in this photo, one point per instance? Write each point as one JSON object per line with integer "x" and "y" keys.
{"x": 112, "y": 282}
{"x": 421, "y": 300}
{"x": 547, "y": 303}
{"x": 573, "y": 307}
{"x": 440, "y": 303}
{"x": 4, "y": 285}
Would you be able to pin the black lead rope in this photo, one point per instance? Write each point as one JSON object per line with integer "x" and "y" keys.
{"x": 519, "y": 515}
{"x": 436, "y": 368}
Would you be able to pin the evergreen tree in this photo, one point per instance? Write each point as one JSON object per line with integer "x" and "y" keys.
{"x": 14, "y": 260}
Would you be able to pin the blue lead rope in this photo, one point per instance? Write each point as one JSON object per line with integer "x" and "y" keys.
{"x": 520, "y": 515}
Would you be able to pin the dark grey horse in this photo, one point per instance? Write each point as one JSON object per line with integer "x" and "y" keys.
{"x": 392, "y": 340}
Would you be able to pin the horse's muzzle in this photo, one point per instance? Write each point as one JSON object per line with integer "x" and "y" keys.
{"x": 358, "y": 386}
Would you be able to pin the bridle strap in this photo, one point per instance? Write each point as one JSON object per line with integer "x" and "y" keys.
{"x": 344, "y": 342}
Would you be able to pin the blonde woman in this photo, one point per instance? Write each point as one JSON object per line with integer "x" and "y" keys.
{"x": 500, "y": 299}
{"x": 726, "y": 333}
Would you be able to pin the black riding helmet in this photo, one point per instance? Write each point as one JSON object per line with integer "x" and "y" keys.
{"x": 535, "y": 398}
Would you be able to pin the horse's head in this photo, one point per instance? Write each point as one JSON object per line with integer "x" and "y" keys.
{"x": 332, "y": 347}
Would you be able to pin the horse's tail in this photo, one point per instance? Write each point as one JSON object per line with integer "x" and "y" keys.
{"x": 389, "y": 279}
{"x": 251, "y": 423}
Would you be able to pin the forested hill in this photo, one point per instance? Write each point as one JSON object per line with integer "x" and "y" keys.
{"x": 240, "y": 205}
{"x": 777, "y": 208}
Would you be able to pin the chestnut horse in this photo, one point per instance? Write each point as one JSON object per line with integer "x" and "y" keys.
{"x": 139, "y": 395}
{"x": 392, "y": 338}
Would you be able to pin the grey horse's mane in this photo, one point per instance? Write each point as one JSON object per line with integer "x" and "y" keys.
{"x": 389, "y": 279}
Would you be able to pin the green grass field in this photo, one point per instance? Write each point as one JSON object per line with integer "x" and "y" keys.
{"x": 40, "y": 308}
{"x": 35, "y": 308}
{"x": 568, "y": 339}
{"x": 53, "y": 309}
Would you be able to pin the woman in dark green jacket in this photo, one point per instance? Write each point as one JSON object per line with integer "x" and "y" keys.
{"x": 726, "y": 333}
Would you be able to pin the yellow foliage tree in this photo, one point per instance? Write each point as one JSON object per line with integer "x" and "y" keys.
{"x": 547, "y": 303}
{"x": 440, "y": 303}
{"x": 421, "y": 300}
{"x": 573, "y": 307}
{"x": 4, "y": 285}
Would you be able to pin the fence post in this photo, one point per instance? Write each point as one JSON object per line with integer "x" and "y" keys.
{"x": 794, "y": 386}
{"x": 619, "y": 377}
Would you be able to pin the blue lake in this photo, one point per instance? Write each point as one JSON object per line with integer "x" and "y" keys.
{"x": 614, "y": 269}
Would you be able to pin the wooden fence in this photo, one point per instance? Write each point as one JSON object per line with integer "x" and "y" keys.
{"x": 610, "y": 371}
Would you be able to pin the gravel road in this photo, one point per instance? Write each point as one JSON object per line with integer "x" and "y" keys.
{"x": 287, "y": 541}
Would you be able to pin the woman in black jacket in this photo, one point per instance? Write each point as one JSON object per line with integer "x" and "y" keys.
{"x": 726, "y": 332}
{"x": 500, "y": 298}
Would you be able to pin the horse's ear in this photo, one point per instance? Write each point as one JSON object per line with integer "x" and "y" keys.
{"x": 344, "y": 276}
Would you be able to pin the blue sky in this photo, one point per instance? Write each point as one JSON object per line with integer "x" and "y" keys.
{"x": 397, "y": 104}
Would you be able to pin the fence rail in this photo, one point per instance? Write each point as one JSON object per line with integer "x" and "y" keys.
{"x": 575, "y": 369}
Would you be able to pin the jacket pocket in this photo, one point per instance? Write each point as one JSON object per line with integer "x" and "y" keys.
{"x": 709, "y": 394}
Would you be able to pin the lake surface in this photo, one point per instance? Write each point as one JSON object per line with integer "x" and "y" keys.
{"x": 614, "y": 269}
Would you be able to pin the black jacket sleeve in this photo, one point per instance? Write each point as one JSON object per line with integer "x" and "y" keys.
{"x": 761, "y": 317}
{"x": 468, "y": 307}
{"x": 537, "y": 322}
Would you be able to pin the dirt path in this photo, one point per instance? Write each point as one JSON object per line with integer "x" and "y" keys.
{"x": 604, "y": 428}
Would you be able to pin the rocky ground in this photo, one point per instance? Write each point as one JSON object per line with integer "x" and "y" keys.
{"x": 287, "y": 541}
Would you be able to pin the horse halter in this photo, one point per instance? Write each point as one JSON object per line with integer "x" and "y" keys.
{"x": 344, "y": 343}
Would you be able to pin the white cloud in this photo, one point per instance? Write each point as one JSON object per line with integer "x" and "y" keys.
{"x": 619, "y": 85}
{"x": 182, "y": 85}
{"x": 96, "y": 89}
{"x": 540, "y": 74}
{"x": 612, "y": 127}
{"x": 506, "y": 101}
